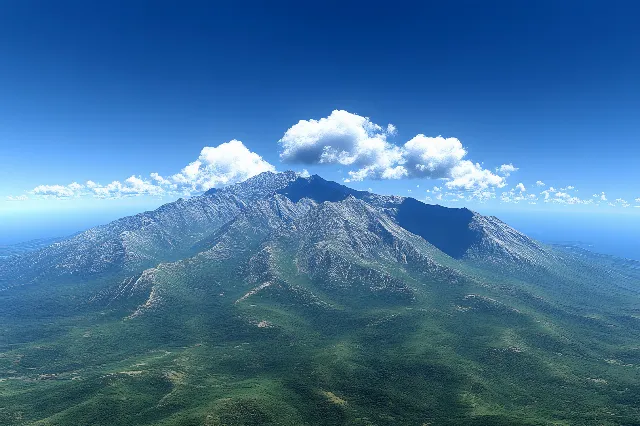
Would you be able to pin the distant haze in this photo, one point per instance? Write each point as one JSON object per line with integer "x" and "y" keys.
{"x": 23, "y": 226}
{"x": 615, "y": 234}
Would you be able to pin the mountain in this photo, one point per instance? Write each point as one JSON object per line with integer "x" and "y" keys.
{"x": 135, "y": 242}
{"x": 293, "y": 300}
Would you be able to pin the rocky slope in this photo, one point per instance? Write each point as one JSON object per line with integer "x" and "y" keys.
{"x": 182, "y": 228}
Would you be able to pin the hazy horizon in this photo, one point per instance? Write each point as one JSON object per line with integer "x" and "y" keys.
{"x": 614, "y": 233}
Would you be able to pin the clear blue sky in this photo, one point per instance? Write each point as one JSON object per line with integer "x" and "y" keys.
{"x": 100, "y": 91}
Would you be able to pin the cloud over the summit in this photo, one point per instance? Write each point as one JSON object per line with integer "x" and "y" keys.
{"x": 224, "y": 164}
{"x": 221, "y": 165}
{"x": 342, "y": 138}
{"x": 351, "y": 140}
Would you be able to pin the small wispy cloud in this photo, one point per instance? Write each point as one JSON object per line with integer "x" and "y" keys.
{"x": 602, "y": 196}
{"x": 506, "y": 169}
{"x": 17, "y": 198}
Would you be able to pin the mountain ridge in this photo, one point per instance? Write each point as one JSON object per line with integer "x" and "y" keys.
{"x": 287, "y": 300}
{"x": 173, "y": 230}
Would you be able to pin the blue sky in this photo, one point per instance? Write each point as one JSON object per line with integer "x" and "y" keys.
{"x": 104, "y": 91}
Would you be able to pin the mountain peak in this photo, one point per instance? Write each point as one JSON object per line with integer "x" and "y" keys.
{"x": 176, "y": 229}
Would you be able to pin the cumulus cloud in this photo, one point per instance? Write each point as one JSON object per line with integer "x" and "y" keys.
{"x": 342, "y": 138}
{"x": 432, "y": 157}
{"x": 304, "y": 173}
{"x": 58, "y": 191}
{"x": 521, "y": 187}
{"x": 560, "y": 197}
{"x": 221, "y": 165}
{"x": 506, "y": 169}
{"x": 540, "y": 183}
{"x": 513, "y": 196}
{"x": 468, "y": 175}
{"x": 351, "y": 140}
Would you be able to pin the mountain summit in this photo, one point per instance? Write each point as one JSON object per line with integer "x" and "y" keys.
{"x": 294, "y": 300}
{"x": 173, "y": 231}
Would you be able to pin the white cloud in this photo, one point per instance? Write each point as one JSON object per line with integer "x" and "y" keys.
{"x": 622, "y": 202}
{"x": 351, "y": 140}
{"x": 432, "y": 157}
{"x": 481, "y": 195}
{"x": 221, "y": 165}
{"x": 342, "y": 138}
{"x": 513, "y": 196}
{"x": 304, "y": 173}
{"x": 157, "y": 178}
{"x": 637, "y": 200}
{"x": 17, "y": 198}
{"x": 560, "y": 197}
{"x": 601, "y": 196}
{"x": 540, "y": 183}
{"x": 521, "y": 187}
{"x": 467, "y": 175}
{"x": 391, "y": 129}
{"x": 58, "y": 191}
{"x": 506, "y": 169}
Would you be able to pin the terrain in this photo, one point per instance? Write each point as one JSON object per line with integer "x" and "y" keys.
{"x": 289, "y": 300}
{"x": 25, "y": 247}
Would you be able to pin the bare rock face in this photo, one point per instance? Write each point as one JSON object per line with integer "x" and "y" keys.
{"x": 324, "y": 217}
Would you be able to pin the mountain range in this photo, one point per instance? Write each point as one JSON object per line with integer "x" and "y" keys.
{"x": 292, "y": 300}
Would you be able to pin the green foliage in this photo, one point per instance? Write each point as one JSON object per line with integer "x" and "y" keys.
{"x": 252, "y": 338}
